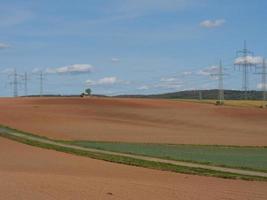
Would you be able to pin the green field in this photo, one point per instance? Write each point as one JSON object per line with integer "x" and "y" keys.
{"x": 156, "y": 150}
{"x": 254, "y": 158}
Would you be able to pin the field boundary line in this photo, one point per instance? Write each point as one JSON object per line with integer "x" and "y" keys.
{"x": 33, "y": 138}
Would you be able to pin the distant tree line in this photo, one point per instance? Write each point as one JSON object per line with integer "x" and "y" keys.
{"x": 205, "y": 94}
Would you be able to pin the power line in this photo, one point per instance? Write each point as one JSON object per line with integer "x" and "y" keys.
{"x": 200, "y": 95}
{"x": 264, "y": 82}
{"x": 221, "y": 90}
{"x": 245, "y": 65}
{"x": 41, "y": 83}
{"x": 17, "y": 80}
{"x": 25, "y": 79}
{"x": 41, "y": 79}
{"x": 220, "y": 76}
{"x": 15, "y": 83}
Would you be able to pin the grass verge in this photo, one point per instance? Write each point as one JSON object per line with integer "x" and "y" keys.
{"x": 247, "y": 158}
{"x": 135, "y": 162}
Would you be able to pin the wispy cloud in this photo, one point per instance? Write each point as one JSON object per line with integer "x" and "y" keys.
{"x": 71, "y": 69}
{"x": 115, "y": 60}
{"x": 144, "y": 87}
{"x": 170, "y": 83}
{"x": 165, "y": 83}
{"x": 261, "y": 86}
{"x": 106, "y": 81}
{"x": 187, "y": 73}
{"x": 212, "y": 23}
{"x": 208, "y": 71}
{"x": 249, "y": 60}
{"x": 36, "y": 70}
{"x": 4, "y": 46}
{"x": 7, "y": 71}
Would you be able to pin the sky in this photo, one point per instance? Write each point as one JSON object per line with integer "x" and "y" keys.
{"x": 128, "y": 46}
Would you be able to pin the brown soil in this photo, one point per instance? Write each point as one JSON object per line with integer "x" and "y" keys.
{"x": 32, "y": 173}
{"x": 136, "y": 120}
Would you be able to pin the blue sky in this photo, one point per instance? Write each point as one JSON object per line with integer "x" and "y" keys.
{"x": 127, "y": 46}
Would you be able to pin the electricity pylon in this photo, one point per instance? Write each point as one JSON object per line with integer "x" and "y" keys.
{"x": 264, "y": 83}
{"x": 245, "y": 65}
{"x": 220, "y": 76}
{"x": 15, "y": 83}
{"x": 25, "y": 79}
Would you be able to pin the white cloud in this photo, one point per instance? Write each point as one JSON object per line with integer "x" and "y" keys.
{"x": 209, "y": 71}
{"x": 106, "y": 81}
{"x": 212, "y": 23}
{"x": 7, "y": 71}
{"x": 36, "y": 70}
{"x": 4, "y": 46}
{"x": 115, "y": 60}
{"x": 249, "y": 59}
{"x": 168, "y": 79}
{"x": 169, "y": 83}
{"x": 71, "y": 69}
{"x": 187, "y": 73}
{"x": 262, "y": 86}
{"x": 144, "y": 87}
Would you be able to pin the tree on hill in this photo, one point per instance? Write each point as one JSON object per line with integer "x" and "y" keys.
{"x": 88, "y": 91}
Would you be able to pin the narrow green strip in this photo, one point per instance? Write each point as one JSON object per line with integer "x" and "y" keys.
{"x": 133, "y": 161}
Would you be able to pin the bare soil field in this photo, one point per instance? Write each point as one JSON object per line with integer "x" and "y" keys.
{"x": 136, "y": 120}
{"x": 31, "y": 173}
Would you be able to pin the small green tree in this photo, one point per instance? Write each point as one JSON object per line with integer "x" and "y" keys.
{"x": 88, "y": 91}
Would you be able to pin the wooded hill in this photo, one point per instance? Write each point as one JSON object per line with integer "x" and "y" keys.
{"x": 204, "y": 94}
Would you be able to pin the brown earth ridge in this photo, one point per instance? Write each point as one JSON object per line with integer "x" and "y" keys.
{"x": 136, "y": 120}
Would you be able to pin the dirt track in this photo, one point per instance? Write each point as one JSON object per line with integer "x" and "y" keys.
{"x": 139, "y": 157}
{"x": 32, "y": 173}
{"x": 136, "y": 120}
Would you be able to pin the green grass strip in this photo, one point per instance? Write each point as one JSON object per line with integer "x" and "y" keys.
{"x": 135, "y": 162}
{"x": 247, "y": 158}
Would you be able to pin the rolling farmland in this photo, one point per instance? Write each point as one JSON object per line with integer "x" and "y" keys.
{"x": 173, "y": 130}
{"x": 136, "y": 120}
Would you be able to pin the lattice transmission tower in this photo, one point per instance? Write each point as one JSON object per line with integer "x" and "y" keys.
{"x": 15, "y": 82}
{"x": 25, "y": 79}
{"x": 245, "y": 63}
{"x": 220, "y": 74}
{"x": 264, "y": 83}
